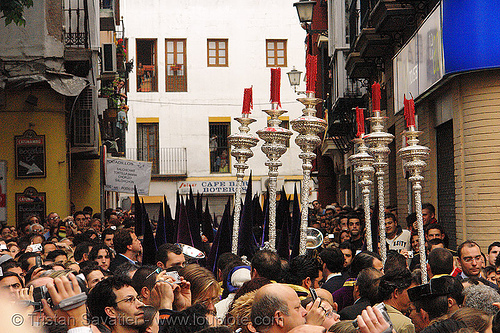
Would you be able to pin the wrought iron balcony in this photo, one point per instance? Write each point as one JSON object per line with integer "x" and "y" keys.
{"x": 166, "y": 161}
{"x": 76, "y": 22}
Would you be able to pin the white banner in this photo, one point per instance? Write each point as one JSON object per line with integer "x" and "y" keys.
{"x": 122, "y": 175}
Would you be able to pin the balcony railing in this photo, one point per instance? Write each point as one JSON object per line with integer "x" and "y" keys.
{"x": 76, "y": 16}
{"x": 168, "y": 161}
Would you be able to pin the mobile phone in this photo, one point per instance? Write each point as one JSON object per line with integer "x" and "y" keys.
{"x": 38, "y": 261}
{"x": 36, "y": 247}
{"x": 313, "y": 293}
{"x": 383, "y": 310}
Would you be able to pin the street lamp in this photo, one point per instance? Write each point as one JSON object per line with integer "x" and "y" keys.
{"x": 305, "y": 10}
{"x": 294, "y": 78}
{"x": 305, "y": 13}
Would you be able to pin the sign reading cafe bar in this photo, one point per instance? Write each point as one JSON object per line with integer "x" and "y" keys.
{"x": 211, "y": 186}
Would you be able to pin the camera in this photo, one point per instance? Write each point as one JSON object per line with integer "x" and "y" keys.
{"x": 42, "y": 292}
{"x": 175, "y": 276}
{"x": 36, "y": 247}
{"x": 382, "y": 310}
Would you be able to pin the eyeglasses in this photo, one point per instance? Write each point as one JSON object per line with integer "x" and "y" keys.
{"x": 213, "y": 300}
{"x": 129, "y": 299}
{"x": 470, "y": 259}
{"x": 328, "y": 313}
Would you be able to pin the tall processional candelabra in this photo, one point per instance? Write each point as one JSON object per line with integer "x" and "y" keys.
{"x": 276, "y": 139}
{"x": 378, "y": 142}
{"x": 414, "y": 156}
{"x": 242, "y": 143}
{"x": 363, "y": 169}
{"x": 308, "y": 126}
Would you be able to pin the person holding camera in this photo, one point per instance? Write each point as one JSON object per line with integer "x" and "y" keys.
{"x": 393, "y": 290}
{"x": 161, "y": 289}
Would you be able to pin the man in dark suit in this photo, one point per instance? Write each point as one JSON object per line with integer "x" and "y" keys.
{"x": 365, "y": 293}
{"x": 333, "y": 263}
{"x": 127, "y": 247}
{"x": 471, "y": 260}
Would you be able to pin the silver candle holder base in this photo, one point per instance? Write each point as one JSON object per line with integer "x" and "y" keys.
{"x": 308, "y": 126}
{"x": 363, "y": 169}
{"x": 414, "y": 156}
{"x": 242, "y": 142}
{"x": 276, "y": 139}
{"x": 378, "y": 141}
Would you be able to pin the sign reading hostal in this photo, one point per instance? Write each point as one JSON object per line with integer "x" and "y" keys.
{"x": 122, "y": 175}
{"x": 30, "y": 155}
{"x": 30, "y": 202}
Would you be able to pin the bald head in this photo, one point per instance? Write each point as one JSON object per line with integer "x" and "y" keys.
{"x": 325, "y": 295}
{"x": 276, "y": 308}
{"x": 275, "y": 289}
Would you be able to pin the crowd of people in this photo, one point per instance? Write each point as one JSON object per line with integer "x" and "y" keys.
{"x": 85, "y": 273}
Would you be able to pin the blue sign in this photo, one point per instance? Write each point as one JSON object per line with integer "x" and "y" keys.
{"x": 471, "y": 35}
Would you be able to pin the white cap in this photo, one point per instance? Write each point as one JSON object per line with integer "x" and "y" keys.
{"x": 240, "y": 276}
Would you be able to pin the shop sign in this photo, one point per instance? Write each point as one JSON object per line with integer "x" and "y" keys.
{"x": 30, "y": 155}
{"x": 30, "y": 202}
{"x": 211, "y": 187}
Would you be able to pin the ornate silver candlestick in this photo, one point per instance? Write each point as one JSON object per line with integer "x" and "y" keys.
{"x": 363, "y": 168}
{"x": 276, "y": 138}
{"x": 309, "y": 126}
{"x": 242, "y": 143}
{"x": 378, "y": 141}
{"x": 415, "y": 156}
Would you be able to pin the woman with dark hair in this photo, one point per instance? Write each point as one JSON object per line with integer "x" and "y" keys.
{"x": 102, "y": 255}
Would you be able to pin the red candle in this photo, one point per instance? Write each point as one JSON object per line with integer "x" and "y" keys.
{"x": 275, "y": 85}
{"x": 411, "y": 120}
{"x": 360, "y": 120}
{"x": 311, "y": 69}
{"x": 247, "y": 101}
{"x": 409, "y": 112}
{"x": 376, "y": 97}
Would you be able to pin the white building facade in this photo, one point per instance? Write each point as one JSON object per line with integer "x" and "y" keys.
{"x": 192, "y": 60}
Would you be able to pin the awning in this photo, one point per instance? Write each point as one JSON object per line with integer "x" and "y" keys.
{"x": 154, "y": 199}
{"x": 63, "y": 83}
